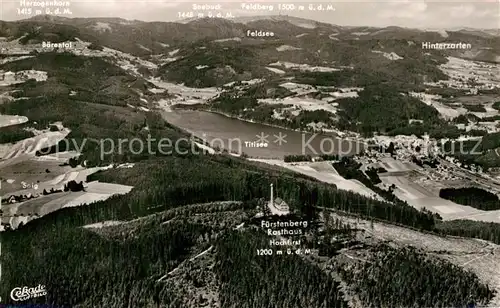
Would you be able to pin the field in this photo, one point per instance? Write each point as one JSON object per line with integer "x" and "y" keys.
{"x": 407, "y": 190}
{"x": 31, "y": 172}
{"x": 460, "y": 69}
{"x": 45, "y": 204}
{"x": 185, "y": 95}
{"x": 24, "y": 173}
{"x": 444, "y": 110}
{"x": 31, "y": 145}
{"x": 302, "y": 103}
{"x": 420, "y": 197}
{"x": 8, "y": 120}
{"x": 324, "y": 172}
{"x": 392, "y": 165}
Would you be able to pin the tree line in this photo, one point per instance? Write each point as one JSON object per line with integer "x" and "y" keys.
{"x": 471, "y": 196}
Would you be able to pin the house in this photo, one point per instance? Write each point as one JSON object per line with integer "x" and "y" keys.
{"x": 281, "y": 205}
{"x": 277, "y": 206}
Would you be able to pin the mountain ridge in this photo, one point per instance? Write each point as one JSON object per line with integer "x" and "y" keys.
{"x": 152, "y": 38}
{"x": 245, "y": 19}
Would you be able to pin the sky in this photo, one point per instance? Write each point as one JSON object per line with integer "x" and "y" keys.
{"x": 442, "y": 14}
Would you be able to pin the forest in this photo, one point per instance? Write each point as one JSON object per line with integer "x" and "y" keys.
{"x": 83, "y": 267}
{"x": 12, "y": 134}
{"x": 488, "y": 231}
{"x": 406, "y": 277}
{"x": 301, "y": 158}
{"x": 393, "y": 110}
{"x": 348, "y": 168}
{"x": 474, "y": 108}
{"x": 247, "y": 107}
{"x": 382, "y": 108}
{"x": 242, "y": 62}
{"x": 472, "y": 196}
{"x": 160, "y": 184}
{"x": 250, "y": 281}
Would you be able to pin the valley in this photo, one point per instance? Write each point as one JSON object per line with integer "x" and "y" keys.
{"x": 356, "y": 131}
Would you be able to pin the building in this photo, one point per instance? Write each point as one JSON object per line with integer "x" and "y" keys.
{"x": 277, "y": 206}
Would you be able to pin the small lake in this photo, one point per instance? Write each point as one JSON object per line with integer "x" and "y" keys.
{"x": 240, "y": 136}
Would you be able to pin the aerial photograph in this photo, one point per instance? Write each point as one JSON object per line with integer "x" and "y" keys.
{"x": 176, "y": 154}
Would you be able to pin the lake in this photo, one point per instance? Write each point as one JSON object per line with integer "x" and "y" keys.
{"x": 254, "y": 139}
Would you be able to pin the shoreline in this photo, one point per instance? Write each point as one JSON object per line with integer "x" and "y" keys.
{"x": 333, "y": 133}
{"x": 360, "y": 144}
{"x": 227, "y": 115}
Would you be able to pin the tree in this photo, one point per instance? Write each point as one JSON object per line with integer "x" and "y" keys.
{"x": 391, "y": 148}
{"x": 73, "y": 162}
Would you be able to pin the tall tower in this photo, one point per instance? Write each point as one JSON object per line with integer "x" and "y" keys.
{"x": 272, "y": 195}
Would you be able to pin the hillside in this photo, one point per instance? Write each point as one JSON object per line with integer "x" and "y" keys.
{"x": 315, "y": 70}
{"x": 195, "y": 228}
{"x": 161, "y": 250}
{"x": 95, "y": 99}
{"x": 125, "y": 35}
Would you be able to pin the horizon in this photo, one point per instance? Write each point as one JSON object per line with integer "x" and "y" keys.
{"x": 413, "y": 14}
{"x": 187, "y": 20}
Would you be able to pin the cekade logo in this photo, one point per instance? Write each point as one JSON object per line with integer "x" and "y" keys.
{"x": 25, "y": 293}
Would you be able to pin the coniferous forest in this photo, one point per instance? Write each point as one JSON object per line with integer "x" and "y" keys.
{"x": 410, "y": 279}
{"x": 174, "y": 242}
{"x": 121, "y": 268}
{"x": 472, "y": 196}
{"x": 249, "y": 281}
